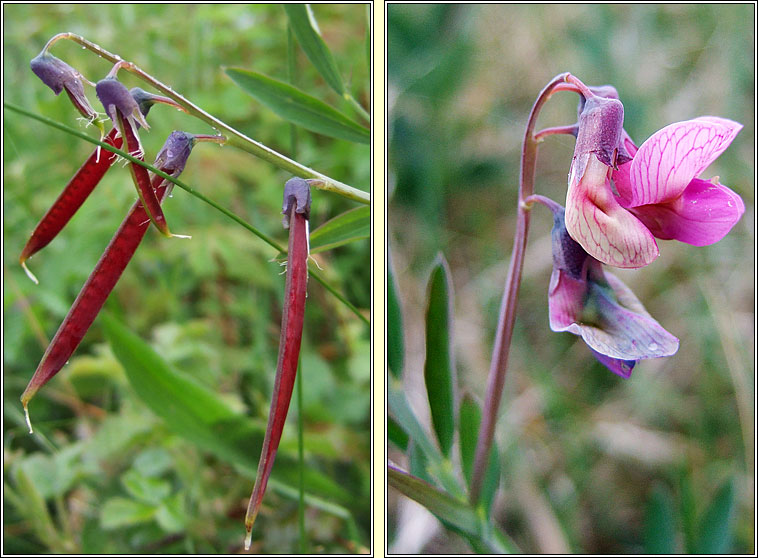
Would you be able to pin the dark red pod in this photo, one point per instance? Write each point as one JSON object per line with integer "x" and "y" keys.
{"x": 71, "y": 199}
{"x": 92, "y": 296}
{"x": 107, "y": 272}
{"x": 82, "y": 184}
{"x": 296, "y": 212}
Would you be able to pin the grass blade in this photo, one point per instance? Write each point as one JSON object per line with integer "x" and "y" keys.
{"x": 395, "y": 343}
{"x": 349, "y": 226}
{"x": 300, "y": 108}
{"x": 304, "y": 26}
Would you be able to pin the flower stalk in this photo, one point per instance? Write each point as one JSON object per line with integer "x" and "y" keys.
{"x": 235, "y": 137}
{"x": 499, "y": 362}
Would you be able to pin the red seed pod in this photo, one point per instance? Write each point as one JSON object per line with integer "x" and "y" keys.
{"x": 296, "y": 211}
{"x": 82, "y": 184}
{"x": 70, "y": 200}
{"x": 104, "y": 277}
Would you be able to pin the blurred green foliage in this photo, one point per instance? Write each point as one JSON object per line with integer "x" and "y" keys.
{"x": 581, "y": 449}
{"x": 106, "y": 474}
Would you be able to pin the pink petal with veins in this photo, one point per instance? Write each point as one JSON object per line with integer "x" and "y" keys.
{"x": 596, "y": 220}
{"x": 702, "y": 215}
{"x": 669, "y": 159}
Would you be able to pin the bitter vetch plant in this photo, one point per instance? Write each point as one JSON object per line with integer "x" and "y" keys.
{"x": 619, "y": 200}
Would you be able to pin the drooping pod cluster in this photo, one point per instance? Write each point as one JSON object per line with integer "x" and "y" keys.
{"x": 128, "y": 111}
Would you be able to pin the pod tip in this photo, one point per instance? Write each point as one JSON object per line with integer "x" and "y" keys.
{"x": 29, "y": 274}
{"x": 28, "y": 420}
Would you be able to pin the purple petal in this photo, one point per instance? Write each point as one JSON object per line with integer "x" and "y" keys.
{"x": 173, "y": 156}
{"x": 616, "y": 365}
{"x": 116, "y": 97}
{"x": 596, "y": 220}
{"x": 669, "y": 159}
{"x": 702, "y": 215}
{"x": 605, "y": 324}
{"x": 58, "y": 75}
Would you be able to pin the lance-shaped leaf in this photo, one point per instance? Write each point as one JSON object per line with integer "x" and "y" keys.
{"x": 99, "y": 285}
{"x": 82, "y": 184}
{"x": 395, "y": 343}
{"x": 299, "y": 108}
{"x": 304, "y": 26}
{"x": 296, "y": 209}
{"x": 352, "y": 225}
{"x": 439, "y": 372}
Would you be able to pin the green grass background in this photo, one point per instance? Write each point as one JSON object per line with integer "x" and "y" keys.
{"x": 210, "y": 306}
{"x": 581, "y": 448}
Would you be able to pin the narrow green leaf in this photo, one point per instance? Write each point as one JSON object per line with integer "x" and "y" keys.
{"x": 437, "y": 466}
{"x": 469, "y": 420}
{"x": 395, "y": 343}
{"x": 715, "y": 533}
{"x": 354, "y": 224}
{"x": 659, "y": 535}
{"x": 396, "y": 434}
{"x": 402, "y": 413}
{"x": 455, "y": 512}
{"x": 469, "y": 417}
{"x": 304, "y": 25}
{"x": 438, "y": 367}
{"x": 199, "y": 415}
{"x": 299, "y": 108}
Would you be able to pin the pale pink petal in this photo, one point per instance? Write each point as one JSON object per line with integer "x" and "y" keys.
{"x": 596, "y": 220}
{"x": 668, "y": 160}
{"x": 702, "y": 215}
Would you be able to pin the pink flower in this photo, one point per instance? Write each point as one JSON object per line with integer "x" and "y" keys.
{"x": 657, "y": 193}
{"x": 660, "y": 186}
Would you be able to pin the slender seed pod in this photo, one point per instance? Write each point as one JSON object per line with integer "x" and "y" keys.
{"x": 82, "y": 184}
{"x": 105, "y": 275}
{"x": 70, "y": 200}
{"x": 296, "y": 212}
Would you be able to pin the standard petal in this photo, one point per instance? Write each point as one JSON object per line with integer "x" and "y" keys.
{"x": 596, "y": 220}
{"x": 669, "y": 159}
{"x": 702, "y": 215}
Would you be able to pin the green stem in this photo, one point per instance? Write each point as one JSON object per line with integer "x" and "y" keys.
{"x": 235, "y": 137}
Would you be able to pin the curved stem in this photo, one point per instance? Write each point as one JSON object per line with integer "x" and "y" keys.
{"x": 498, "y": 365}
{"x": 236, "y": 138}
